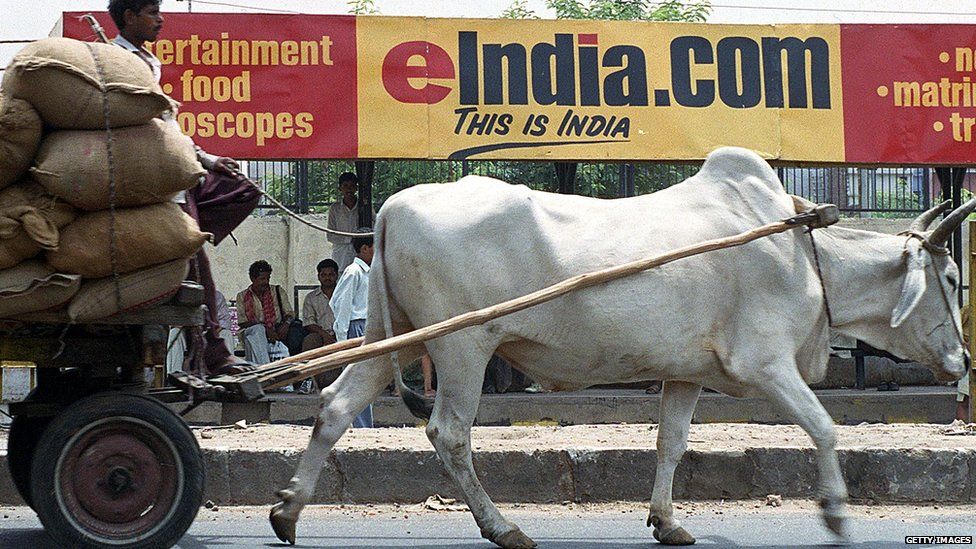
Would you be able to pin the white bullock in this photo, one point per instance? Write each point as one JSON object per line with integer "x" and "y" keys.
{"x": 748, "y": 321}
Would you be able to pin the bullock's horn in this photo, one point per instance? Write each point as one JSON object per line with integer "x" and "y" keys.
{"x": 941, "y": 233}
{"x": 922, "y": 222}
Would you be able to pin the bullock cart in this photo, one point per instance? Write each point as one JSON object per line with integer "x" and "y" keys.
{"x": 101, "y": 461}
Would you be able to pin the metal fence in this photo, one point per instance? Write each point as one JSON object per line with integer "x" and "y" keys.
{"x": 310, "y": 186}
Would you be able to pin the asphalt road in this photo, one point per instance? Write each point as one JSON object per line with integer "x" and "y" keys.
{"x": 746, "y": 524}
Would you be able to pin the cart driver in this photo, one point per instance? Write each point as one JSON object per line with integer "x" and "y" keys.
{"x": 139, "y": 21}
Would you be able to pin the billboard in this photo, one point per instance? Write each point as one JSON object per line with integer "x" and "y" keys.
{"x": 326, "y": 86}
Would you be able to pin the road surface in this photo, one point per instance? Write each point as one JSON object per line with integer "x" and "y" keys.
{"x": 619, "y": 525}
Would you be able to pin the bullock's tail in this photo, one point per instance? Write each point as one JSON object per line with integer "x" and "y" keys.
{"x": 417, "y": 405}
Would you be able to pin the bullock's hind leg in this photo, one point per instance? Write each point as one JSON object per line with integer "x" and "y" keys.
{"x": 460, "y": 371}
{"x": 784, "y": 387}
{"x": 358, "y": 386}
{"x": 677, "y": 407}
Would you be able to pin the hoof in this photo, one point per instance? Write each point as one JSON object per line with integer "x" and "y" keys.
{"x": 836, "y": 520}
{"x": 283, "y": 526}
{"x": 675, "y": 536}
{"x": 514, "y": 539}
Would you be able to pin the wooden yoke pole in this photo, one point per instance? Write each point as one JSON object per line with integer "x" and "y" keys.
{"x": 819, "y": 217}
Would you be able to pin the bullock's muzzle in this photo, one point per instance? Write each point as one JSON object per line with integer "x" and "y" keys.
{"x": 943, "y": 374}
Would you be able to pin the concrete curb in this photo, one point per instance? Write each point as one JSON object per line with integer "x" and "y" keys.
{"x": 246, "y": 477}
{"x": 846, "y": 407}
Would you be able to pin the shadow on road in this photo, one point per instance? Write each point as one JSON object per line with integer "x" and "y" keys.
{"x": 35, "y": 538}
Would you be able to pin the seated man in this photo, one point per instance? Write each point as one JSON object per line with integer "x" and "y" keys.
{"x": 177, "y": 344}
{"x": 264, "y": 316}
{"x": 225, "y": 321}
{"x": 318, "y": 317}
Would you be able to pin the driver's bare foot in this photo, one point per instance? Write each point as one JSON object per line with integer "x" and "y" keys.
{"x": 654, "y": 388}
{"x": 234, "y": 365}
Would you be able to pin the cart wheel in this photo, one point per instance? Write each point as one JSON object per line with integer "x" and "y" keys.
{"x": 24, "y": 434}
{"x": 117, "y": 470}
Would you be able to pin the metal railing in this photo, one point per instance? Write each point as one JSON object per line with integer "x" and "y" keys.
{"x": 310, "y": 186}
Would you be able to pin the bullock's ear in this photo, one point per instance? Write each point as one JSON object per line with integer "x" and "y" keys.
{"x": 911, "y": 292}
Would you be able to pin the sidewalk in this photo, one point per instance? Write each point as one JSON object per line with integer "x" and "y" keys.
{"x": 600, "y": 406}
{"x": 591, "y": 463}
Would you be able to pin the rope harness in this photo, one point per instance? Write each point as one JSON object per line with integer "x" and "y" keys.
{"x": 823, "y": 288}
{"x": 942, "y": 251}
{"x": 926, "y": 245}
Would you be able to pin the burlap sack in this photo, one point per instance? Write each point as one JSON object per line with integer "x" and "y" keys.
{"x": 151, "y": 163}
{"x": 60, "y": 78}
{"x": 30, "y": 220}
{"x": 144, "y": 236}
{"x": 138, "y": 290}
{"x": 20, "y": 135}
{"x": 34, "y": 286}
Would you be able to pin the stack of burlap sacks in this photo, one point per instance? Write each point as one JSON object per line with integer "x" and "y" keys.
{"x": 56, "y": 159}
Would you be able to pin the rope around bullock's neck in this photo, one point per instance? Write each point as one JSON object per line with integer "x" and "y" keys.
{"x": 943, "y": 251}
{"x": 935, "y": 250}
{"x": 823, "y": 287}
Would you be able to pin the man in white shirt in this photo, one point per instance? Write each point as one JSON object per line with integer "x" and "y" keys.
{"x": 317, "y": 315}
{"x": 349, "y": 303}
{"x": 344, "y": 216}
{"x": 318, "y": 318}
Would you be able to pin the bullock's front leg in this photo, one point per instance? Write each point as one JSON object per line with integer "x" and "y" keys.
{"x": 678, "y": 401}
{"x": 358, "y": 386}
{"x": 785, "y": 388}
{"x": 459, "y": 378}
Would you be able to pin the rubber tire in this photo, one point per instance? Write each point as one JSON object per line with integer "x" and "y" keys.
{"x": 99, "y": 407}
{"x": 25, "y": 433}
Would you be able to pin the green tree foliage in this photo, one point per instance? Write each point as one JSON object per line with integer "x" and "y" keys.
{"x": 695, "y": 11}
{"x": 362, "y": 7}
{"x": 519, "y": 10}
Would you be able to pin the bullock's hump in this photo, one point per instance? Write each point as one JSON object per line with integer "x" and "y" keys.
{"x": 470, "y": 189}
{"x": 470, "y": 199}
{"x": 735, "y": 164}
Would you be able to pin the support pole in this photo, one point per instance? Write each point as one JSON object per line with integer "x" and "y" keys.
{"x": 951, "y": 180}
{"x": 365, "y": 170}
{"x": 972, "y": 312}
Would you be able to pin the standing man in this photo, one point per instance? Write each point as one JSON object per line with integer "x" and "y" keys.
{"x": 349, "y": 303}
{"x": 219, "y": 203}
{"x": 344, "y": 216}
